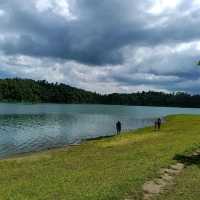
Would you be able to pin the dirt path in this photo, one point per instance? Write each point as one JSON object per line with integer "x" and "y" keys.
{"x": 165, "y": 178}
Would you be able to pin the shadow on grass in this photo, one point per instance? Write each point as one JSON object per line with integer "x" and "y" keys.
{"x": 188, "y": 160}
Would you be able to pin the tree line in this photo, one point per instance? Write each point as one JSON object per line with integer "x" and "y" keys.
{"x": 27, "y": 90}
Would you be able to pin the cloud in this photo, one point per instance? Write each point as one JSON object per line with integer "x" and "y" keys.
{"x": 91, "y": 32}
{"x": 103, "y": 46}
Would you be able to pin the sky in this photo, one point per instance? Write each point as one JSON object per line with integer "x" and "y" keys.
{"x": 104, "y": 46}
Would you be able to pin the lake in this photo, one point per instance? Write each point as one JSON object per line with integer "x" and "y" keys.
{"x": 35, "y": 127}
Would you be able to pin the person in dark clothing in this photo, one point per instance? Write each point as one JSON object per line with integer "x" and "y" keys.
{"x": 118, "y": 127}
{"x": 159, "y": 123}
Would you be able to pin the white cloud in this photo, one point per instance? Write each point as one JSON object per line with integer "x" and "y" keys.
{"x": 162, "y": 59}
{"x": 43, "y": 5}
{"x": 196, "y": 3}
{"x": 2, "y": 13}
{"x": 160, "y": 6}
{"x": 61, "y": 7}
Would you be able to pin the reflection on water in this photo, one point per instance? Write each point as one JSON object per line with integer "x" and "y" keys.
{"x": 26, "y": 128}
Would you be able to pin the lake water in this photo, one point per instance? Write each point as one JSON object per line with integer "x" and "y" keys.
{"x": 27, "y": 127}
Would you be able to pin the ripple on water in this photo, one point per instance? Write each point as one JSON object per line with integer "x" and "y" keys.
{"x": 20, "y": 133}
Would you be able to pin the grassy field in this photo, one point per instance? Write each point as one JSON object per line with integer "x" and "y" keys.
{"x": 105, "y": 169}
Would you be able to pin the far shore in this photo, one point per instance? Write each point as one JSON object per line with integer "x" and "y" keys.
{"x": 93, "y": 104}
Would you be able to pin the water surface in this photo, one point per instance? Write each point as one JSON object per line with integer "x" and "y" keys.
{"x": 27, "y": 127}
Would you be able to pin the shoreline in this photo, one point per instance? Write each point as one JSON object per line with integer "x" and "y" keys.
{"x": 67, "y": 146}
{"x": 80, "y": 142}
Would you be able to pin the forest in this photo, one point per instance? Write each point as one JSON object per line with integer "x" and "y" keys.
{"x": 31, "y": 91}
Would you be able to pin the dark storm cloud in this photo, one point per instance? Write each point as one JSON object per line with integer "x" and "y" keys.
{"x": 96, "y": 37}
{"x": 90, "y": 39}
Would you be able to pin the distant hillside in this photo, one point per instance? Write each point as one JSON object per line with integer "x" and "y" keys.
{"x": 27, "y": 90}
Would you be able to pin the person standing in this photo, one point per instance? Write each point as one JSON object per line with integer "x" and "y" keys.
{"x": 118, "y": 127}
{"x": 159, "y": 123}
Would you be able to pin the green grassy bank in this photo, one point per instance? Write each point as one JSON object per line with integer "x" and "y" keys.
{"x": 104, "y": 169}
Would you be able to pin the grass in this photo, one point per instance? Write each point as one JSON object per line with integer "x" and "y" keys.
{"x": 106, "y": 169}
